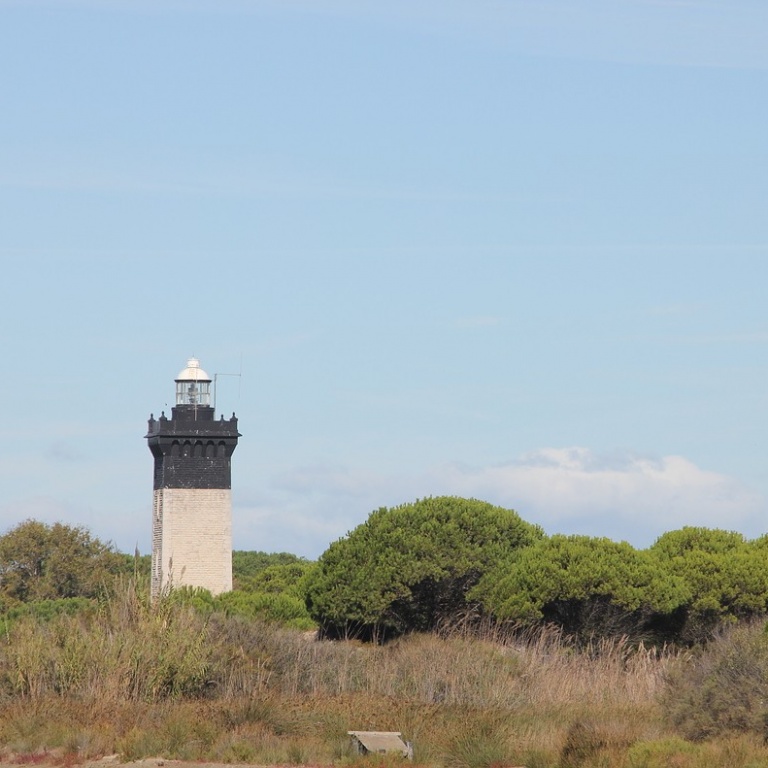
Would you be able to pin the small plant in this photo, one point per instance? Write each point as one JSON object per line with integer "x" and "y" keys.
{"x": 240, "y": 752}
{"x": 583, "y": 742}
{"x": 723, "y": 688}
{"x": 483, "y": 741}
{"x": 663, "y": 753}
{"x": 478, "y": 752}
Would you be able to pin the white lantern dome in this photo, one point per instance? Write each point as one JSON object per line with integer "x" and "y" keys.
{"x": 193, "y": 385}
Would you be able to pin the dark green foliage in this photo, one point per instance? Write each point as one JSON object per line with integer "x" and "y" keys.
{"x": 247, "y": 565}
{"x": 410, "y": 567}
{"x": 286, "y": 577}
{"x": 724, "y": 687}
{"x": 587, "y": 586}
{"x": 429, "y": 565}
{"x": 682, "y": 542}
{"x": 282, "y": 605}
{"x": 136, "y": 565}
{"x": 680, "y": 589}
{"x": 192, "y": 597}
{"x": 277, "y": 607}
{"x": 725, "y": 577}
{"x": 47, "y": 562}
{"x": 45, "y": 610}
{"x": 269, "y": 587}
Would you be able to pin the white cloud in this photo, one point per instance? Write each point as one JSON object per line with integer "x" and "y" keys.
{"x": 322, "y": 479}
{"x": 307, "y": 507}
{"x": 621, "y": 495}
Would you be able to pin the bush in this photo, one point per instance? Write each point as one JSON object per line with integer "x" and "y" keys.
{"x": 583, "y": 742}
{"x": 46, "y": 562}
{"x": 279, "y": 607}
{"x": 410, "y": 568}
{"x": 45, "y": 610}
{"x": 248, "y": 565}
{"x": 723, "y": 688}
{"x": 586, "y": 586}
{"x": 661, "y": 754}
{"x": 723, "y": 576}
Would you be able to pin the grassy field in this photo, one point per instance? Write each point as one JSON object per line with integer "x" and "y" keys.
{"x": 123, "y": 677}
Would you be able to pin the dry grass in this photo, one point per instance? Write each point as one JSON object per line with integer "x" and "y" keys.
{"x": 146, "y": 681}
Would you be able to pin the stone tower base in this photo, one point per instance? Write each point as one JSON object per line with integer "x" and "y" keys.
{"x": 193, "y": 527}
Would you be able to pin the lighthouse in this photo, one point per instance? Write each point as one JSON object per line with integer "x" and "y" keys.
{"x": 192, "y": 498}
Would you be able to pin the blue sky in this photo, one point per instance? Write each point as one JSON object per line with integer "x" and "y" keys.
{"x": 510, "y": 250}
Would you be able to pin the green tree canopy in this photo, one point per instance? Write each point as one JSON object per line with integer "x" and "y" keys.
{"x": 683, "y": 541}
{"x": 281, "y": 578}
{"x": 282, "y": 608}
{"x": 724, "y": 576}
{"x": 588, "y": 586}
{"x": 47, "y": 562}
{"x": 410, "y": 567}
{"x": 246, "y": 565}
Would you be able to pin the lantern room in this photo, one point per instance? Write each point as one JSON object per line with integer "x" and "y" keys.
{"x": 193, "y": 385}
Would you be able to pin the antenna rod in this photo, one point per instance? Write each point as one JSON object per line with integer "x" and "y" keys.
{"x": 215, "y": 377}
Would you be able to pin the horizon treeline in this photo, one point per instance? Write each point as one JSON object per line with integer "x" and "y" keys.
{"x": 428, "y": 566}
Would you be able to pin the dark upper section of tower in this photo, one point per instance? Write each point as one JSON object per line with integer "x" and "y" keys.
{"x": 192, "y": 449}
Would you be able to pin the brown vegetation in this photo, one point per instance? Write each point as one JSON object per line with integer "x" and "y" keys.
{"x": 139, "y": 680}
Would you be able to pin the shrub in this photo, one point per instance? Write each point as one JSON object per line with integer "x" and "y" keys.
{"x": 723, "y": 687}
{"x": 46, "y": 562}
{"x": 411, "y": 567}
{"x": 724, "y": 578}
{"x": 586, "y": 586}
{"x": 282, "y": 608}
{"x": 249, "y": 565}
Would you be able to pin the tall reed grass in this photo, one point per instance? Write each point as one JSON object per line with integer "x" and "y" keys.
{"x": 125, "y": 676}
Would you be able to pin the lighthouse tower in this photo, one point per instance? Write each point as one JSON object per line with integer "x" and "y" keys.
{"x": 192, "y": 509}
